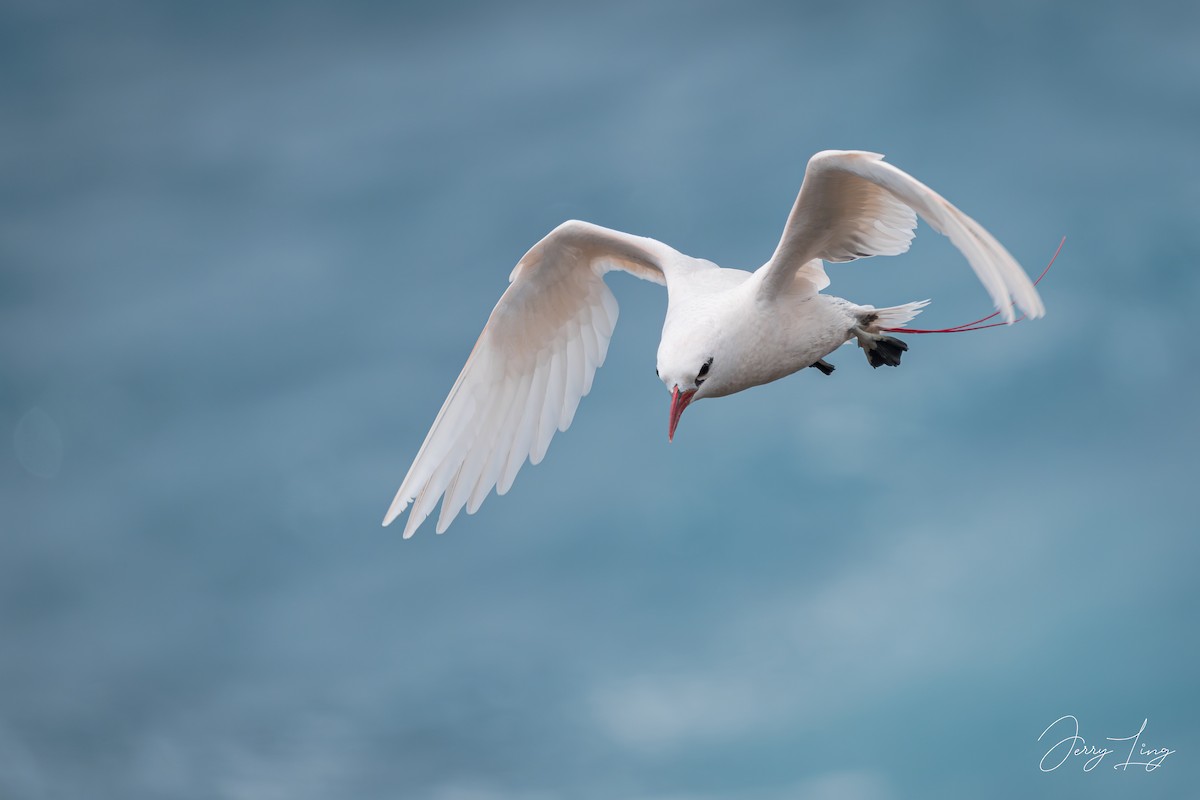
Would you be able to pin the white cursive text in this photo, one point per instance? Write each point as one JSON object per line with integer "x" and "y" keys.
{"x": 1076, "y": 745}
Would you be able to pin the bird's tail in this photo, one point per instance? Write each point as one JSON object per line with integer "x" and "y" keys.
{"x": 896, "y": 316}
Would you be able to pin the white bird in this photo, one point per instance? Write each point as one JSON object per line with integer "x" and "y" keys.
{"x": 725, "y": 330}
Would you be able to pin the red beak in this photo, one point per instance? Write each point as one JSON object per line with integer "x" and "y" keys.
{"x": 679, "y": 401}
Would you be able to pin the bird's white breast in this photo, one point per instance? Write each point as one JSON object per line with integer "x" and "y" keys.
{"x": 751, "y": 341}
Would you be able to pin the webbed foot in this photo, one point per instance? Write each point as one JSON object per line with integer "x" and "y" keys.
{"x": 880, "y": 350}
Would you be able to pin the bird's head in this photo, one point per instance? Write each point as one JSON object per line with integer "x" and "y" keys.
{"x": 686, "y": 373}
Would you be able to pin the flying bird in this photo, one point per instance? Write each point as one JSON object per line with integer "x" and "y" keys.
{"x": 725, "y": 330}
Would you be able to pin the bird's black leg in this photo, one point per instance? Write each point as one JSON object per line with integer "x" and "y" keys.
{"x": 824, "y": 366}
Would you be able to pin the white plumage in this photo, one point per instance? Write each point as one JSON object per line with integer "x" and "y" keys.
{"x": 725, "y": 329}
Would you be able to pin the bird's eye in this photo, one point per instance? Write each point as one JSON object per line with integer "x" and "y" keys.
{"x": 656, "y": 372}
{"x": 703, "y": 371}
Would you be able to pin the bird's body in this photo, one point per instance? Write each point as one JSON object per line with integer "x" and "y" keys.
{"x": 725, "y": 330}
{"x": 760, "y": 340}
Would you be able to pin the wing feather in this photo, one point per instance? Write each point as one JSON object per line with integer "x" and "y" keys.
{"x": 853, "y": 204}
{"x": 500, "y": 446}
{"x": 575, "y": 369}
{"x": 534, "y": 361}
{"x": 482, "y": 447}
{"x": 593, "y": 351}
{"x": 552, "y": 406}
{"x": 522, "y": 441}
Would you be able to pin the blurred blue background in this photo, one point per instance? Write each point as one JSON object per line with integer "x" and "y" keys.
{"x": 245, "y": 249}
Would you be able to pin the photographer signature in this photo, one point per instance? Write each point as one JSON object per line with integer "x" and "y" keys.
{"x": 1076, "y": 745}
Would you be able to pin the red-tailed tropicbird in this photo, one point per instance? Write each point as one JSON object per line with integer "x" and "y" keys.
{"x": 726, "y": 329}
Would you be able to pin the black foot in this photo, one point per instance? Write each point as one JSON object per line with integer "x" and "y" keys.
{"x": 824, "y": 366}
{"x": 886, "y": 350}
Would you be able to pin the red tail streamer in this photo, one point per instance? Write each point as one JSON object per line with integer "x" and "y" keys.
{"x": 978, "y": 325}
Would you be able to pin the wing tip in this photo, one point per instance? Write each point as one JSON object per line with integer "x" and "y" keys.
{"x": 394, "y": 510}
{"x": 411, "y": 528}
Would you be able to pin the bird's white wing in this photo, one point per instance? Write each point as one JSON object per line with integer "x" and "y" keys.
{"x": 531, "y": 365}
{"x": 853, "y": 204}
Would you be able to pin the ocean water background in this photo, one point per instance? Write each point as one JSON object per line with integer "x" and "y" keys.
{"x": 245, "y": 249}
